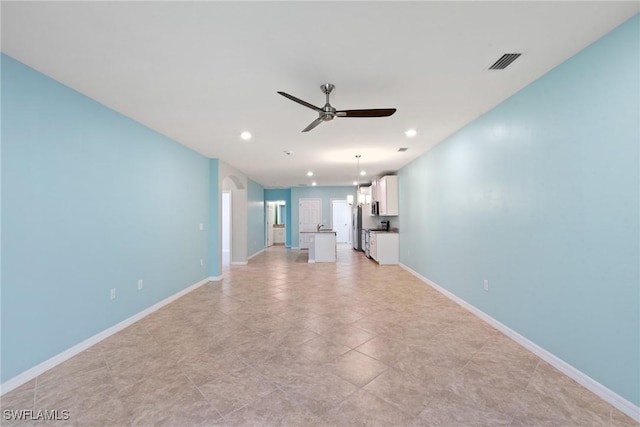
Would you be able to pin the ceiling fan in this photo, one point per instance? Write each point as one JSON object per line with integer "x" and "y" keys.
{"x": 328, "y": 113}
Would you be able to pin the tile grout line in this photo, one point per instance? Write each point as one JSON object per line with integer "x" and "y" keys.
{"x": 201, "y": 393}
{"x": 35, "y": 393}
{"x": 517, "y": 410}
{"x": 117, "y": 390}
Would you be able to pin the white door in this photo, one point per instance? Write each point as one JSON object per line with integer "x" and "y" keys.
{"x": 271, "y": 215}
{"x": 310, "y": 215}
{"x": 341, "y": 220}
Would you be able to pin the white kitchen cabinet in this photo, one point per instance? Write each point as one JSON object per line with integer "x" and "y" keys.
{"x": 373, "y": 245}
{"x": 278, "y": 236}
{"x": 323, "y": 247}
{"x": 387, "y": 190}
{"x": 385, "y": 247}
{"x": 374, "y": 190}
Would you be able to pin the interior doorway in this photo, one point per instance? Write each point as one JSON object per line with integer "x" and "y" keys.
{"x": 226, "y": 228}
{"x": 341, "y": 220}
{"x": 275, "y": 222}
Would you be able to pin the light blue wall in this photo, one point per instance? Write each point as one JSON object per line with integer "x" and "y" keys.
{"x": 541, "y": 197}
{"x": 276, "y": 194}
{"x": 215, "y": 200}
{"x": 255, "y": 218}
{"x": 324, "y": 193}
{"x": 91, "y": 200}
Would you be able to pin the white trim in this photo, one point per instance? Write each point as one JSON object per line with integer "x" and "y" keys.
{"x": 31, "y": 373}
{"x": 239, "y": 263}
{"x": 214, "y": 278}
{"x": 581, "y": 378}
{"x": 257, "y": 253}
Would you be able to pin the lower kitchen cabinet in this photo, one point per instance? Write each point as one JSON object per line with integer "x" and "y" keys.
{"x": 385, "y": 247}
{"x": 278, "y": 236}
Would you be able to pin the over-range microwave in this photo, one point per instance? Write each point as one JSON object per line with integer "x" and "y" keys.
{"x": 375, "y": 208}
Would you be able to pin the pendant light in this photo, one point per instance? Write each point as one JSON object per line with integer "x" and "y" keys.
{"x": 359, "y": 195}
{"x": 356, "y": 183}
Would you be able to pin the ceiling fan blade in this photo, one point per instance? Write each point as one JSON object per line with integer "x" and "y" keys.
{"x": 301, "y": 102}
{"x": 313, "y": 124}
{"x": 375, "y": 112}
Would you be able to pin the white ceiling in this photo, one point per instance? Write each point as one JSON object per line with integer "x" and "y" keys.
{"x": 203, "y": 72}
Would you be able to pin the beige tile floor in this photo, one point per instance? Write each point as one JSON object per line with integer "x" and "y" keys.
{"x": 280, "y": 342}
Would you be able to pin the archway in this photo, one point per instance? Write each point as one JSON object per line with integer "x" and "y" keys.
{"x": 234, "y": 201}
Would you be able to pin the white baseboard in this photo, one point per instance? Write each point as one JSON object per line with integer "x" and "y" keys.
{"x": 214, "y": 278}
{"x": 257, "y": 253}
{"x": 581, "y": 378}
{"x": 31, "y": 373}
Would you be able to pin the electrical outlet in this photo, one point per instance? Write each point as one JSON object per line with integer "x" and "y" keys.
{"x": 201, "y": 227}
{"x": 140, "y": 284}
{"x": 486, "y": 285}
{"x": 201, "y": 262}
{"x": 408, "y": 251}
{"x": 113, "y": 293}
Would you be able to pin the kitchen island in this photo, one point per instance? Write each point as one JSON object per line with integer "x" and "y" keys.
{"x": 322, "y": 246}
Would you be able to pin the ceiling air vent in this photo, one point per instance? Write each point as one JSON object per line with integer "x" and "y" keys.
{"x": 504, "y": 61}
{"x": 402, "y": 150}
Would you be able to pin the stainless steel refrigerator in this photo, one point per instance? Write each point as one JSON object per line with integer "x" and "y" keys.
{"x": 362, "y": 219}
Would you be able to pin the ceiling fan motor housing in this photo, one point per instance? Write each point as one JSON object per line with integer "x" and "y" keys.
{"x": 327, "y": 88}
{"x": 329, "y": 111}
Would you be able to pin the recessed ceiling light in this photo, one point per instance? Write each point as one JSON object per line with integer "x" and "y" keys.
{"x": 411, "y": 133}
{"x": 313, "y": 183}
{"x": 362, "y": 173}
{"x": 245, "y": 135}
{"x": 309, "y": 173}
{"x": 355, "y": 182}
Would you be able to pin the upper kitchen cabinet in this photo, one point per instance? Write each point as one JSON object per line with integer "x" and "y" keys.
{"x": 387, "y": 192}
{"x": 374, "y": 190}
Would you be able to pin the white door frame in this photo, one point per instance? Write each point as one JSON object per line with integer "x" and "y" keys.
{"x": 269, "y": 207}
{"x": 226, "y": 259}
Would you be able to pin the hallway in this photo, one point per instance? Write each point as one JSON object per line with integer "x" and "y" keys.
{"x": 283, "y": 342}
